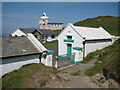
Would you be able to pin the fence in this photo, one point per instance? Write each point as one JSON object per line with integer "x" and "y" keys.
{"x": 65, "y": 60}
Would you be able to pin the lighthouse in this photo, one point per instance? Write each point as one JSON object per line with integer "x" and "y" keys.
{"x": 44, "y": 21}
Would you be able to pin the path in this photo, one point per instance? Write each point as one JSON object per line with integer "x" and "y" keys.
{"x": 76, "y": 81}
{"x": 80, "y": 66}
{"x": 79, "y": 81}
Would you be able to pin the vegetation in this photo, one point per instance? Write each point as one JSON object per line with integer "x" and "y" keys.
{"x": 109, "y": 23}
{"x": 57, "y": 31}
{"x": 91, "y": 56}
{"x": 51, "y": 44}
{"x": 77, "y": 73}
{"x": 107, "y": 62}
{"x": 21, "y": 77}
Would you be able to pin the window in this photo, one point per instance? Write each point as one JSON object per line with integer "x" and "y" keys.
{"x": 52, "y": 36}
{"x": 38, "y": 37}
{"x": 35, "y": 36}
{"x": 69, "y": 37}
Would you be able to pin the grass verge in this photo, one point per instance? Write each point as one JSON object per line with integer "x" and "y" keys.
{"x": 91, "y": 56}
{"x": 109, "y": 60}
{"x": 21, "y": 77}
{"x": 51, "y": 44}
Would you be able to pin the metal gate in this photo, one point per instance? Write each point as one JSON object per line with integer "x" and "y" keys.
{"x": 65, "y": 60}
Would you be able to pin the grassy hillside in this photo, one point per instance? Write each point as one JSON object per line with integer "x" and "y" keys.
{"x": 32, "y": 76}
{"x": 109, "y": 23}
{"x": 51, "y": 44}
{"x": 108, "y": 63}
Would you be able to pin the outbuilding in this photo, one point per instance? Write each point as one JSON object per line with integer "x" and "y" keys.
{"x": 43, "y": 35}
{"x": 22, "y": 50}
{"x": 81, "y": 41}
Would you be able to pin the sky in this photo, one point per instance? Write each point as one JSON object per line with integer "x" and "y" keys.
{"x": 27, "y": 14}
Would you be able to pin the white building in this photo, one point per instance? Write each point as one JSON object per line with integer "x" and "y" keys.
{"x": 44, "y": 23}
{"x": 82, "y": 40}
{"x": 43, "y": 35}
{"x": 22, "y": 50}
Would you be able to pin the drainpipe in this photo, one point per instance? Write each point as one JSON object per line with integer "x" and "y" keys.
{"x": 40, "y": 58}
{"x": 84, "y": 48}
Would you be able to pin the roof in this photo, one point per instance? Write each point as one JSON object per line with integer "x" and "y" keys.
{"x": 55, "y": 23}
{"x": 47, "y": 32}
{"x": 42, "y": 31}
{"x": 27, "y": 30}
{"x": 17, "y": 46}
{"x": 50, "y": 51}
{"x": 91, "y": 33}
{"x": 78, "y": 48}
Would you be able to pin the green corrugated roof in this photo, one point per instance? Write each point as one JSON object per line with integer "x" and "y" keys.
{"x": 68, "y": 40}
{"x": 77, "y": 48}
{"x": 50, "y": 51}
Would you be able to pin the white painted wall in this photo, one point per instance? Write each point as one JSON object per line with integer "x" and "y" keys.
{"x": 91, "y": 47}
{"x": 62, "y": 46}
{"x": 49, "y": 39}
{"x": 78, "y": 55}
{"x": 48, "y": 60}
{"x": 18, "y": 33}
{"x": 11, "y": 64}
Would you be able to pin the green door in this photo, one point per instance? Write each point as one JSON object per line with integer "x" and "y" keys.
{"x": 69, "y": 50}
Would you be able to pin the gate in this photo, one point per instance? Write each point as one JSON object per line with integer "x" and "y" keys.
{"x": 65, "y": 60}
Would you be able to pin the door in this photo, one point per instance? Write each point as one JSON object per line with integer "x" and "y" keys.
{"x": 69, "y": 50}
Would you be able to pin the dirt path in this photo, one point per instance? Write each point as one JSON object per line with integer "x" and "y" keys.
{"x": 75, "y": 67}
{"x": 79, "y": 81}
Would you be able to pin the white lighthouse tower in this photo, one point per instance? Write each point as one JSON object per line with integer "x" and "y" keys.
{"x": 44, "y": 21}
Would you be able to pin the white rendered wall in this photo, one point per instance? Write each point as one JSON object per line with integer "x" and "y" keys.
{"x": 48, "y": 60}
{"x": 78, "y": 55}
{"x": 49, "y": 39}
{"x": 11, "y": 64}
{"x": 18, "y": 33}
{"x": 91, "y": 47}
{"x": 62, "y": 46}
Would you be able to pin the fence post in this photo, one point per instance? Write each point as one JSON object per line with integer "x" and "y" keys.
{"x": 56, "y": 66}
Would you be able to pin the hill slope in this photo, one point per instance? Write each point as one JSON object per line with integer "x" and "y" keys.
{"x": 33, "y": 76}
{"x": 109, "y": 23}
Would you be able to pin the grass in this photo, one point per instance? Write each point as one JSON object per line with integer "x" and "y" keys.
{"x": 18, "y": 78}
{"x": 90, "y": 56}
{"x": 77, "y": 73}
{"x": 57, "y": 31}
{"x": 109, "y": 23}
{"x": 108, "y": 61}
{"x": 51, "y": 44}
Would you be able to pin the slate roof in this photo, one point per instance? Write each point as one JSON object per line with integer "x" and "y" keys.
{"x": 42, "y": 31}
{"x": 47, "y": 32}
{"x": 27, "y": 30}
{"x": 17, "y": 46}
{"x": 92, "y": 33}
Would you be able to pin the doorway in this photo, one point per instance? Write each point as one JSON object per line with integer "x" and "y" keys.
{"x": 69, "y": 50}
